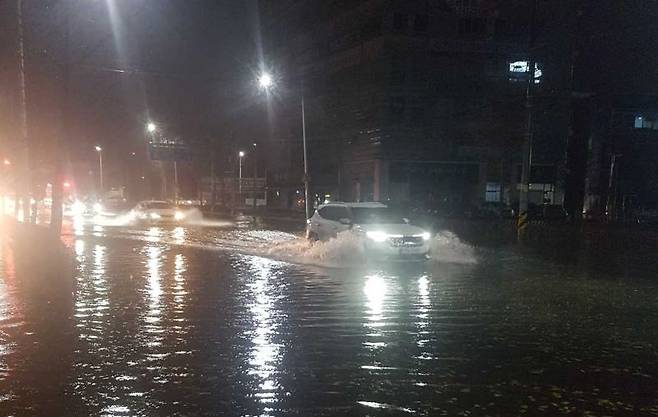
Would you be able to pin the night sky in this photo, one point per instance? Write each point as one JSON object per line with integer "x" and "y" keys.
{"x": 184, "y": 61}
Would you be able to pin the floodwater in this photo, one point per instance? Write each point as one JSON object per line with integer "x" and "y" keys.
{"x": 234, "y": 320}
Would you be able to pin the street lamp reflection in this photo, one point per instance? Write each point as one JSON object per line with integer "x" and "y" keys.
{"x": 153, "y": 234}
{"x": 154, "y": 288}
{"x": 265, "y": 354}
{"x": 180, "y": 267}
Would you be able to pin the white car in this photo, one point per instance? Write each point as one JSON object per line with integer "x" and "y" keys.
{"x": 157, "y": 211}
{"x": 383, "y": 231}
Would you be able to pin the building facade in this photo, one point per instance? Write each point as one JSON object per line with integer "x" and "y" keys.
{"x": 418, "y": 103}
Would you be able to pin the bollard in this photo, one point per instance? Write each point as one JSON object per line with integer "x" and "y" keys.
{"x": 522, "y": 226}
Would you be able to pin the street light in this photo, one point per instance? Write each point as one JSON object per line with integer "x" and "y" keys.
{"x": 7, "y": 162}
{"x": 265, "y": 82}
{"x": 240, "y": 155}
{"x": 100, "y": 166}
{"x": 151, "y": 127}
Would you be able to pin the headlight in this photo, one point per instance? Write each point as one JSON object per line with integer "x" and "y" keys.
{"x": 154, "y": 216}
{"x": 179, "y": 215}
{"x": 98, "y": 208}
{"x": 377, "y": 236}
{"x": 78, "y": 208}
{"x": 426, "y": 236}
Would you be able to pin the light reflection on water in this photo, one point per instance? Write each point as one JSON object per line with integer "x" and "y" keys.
{"x": 165, "y": 329}
{"x": 375, "y": 289}
{"x": 265, "y": 356}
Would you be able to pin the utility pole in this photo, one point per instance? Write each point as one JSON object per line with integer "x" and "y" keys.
{"x": 212, "y": 180}
{"x": 611, "y": 200}
{"x": 56, "y": 209}
{"x": 23, "y": 183}
{"x": 253, "y": 190}
{"x": 522, "y": 223}
{"x": 306, "y": 178}
{"x": 175, "y": 181}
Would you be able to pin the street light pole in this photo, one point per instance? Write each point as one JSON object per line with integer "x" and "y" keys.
{"x": 265, "y": 82}
{"x": 306, "y": 193}
{"x": 175, "y": 181}
{"x": 240, "y": 155}
{"x": 100, "y": 167}
{"x": 253, "y": 189}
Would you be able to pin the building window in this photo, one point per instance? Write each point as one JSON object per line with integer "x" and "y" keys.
{"x": 541, "y": 193}
{"x": 398, "y": 73}
{"x": 472, "y": 26}
{"x": 400, "y": 22}
{"x": 421, "y": 23}
{"x": 493, "y": 192}
{"x": 397, "y": 108}
{"x": 646, "y": 122}
{"x": 518, "y": 71}
{"x": 372, "y": 28}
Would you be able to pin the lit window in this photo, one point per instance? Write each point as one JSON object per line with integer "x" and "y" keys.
{"x": 519, "y": 69}
{"x": 639, "y": 122}
{"x": 493, "y": 192}
{"x": 644, "y": 122}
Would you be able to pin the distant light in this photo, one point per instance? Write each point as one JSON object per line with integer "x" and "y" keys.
{"x": 98, "y": 148}
{"x": 241, "y": 154}
{"x": 265, "y": 81}
{"x": 143, "y": 177}
{"x": 254, "y": 145}
{"x": 6, "y": 162}
{"x": 67, "y": 184}
{"x": 132, "y": 153}
{"x": 151, "y": 127}
{"x": 78, "y": 208}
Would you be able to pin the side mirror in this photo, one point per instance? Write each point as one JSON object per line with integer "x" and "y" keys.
{"x": 345, "y": 221}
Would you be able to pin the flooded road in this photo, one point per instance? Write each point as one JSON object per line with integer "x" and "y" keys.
{"x": 230, "y": 320}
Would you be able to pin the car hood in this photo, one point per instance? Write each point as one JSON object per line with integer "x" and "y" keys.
{"x": 162, "y": 212}
{"x": 393, "y": 229}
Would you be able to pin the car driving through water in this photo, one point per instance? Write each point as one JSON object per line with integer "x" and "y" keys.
{"x": 154, "y": 211}
{"x": 384, "y": 232}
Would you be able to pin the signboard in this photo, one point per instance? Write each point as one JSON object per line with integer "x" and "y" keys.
{"x": 168, "y": 150}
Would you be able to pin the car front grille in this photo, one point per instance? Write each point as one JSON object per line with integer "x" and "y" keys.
{"x": 406, "y": 241}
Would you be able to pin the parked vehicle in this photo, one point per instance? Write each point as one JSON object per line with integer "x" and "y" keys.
{"x": 383, "y": 231}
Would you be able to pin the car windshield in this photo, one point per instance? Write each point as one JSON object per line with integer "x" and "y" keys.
{"x": 158, "y": 206}
{"x": 370, "y": 215}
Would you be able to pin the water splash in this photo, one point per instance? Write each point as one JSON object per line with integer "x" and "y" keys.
{"x": 193, "y": 217}
{"x": 447, "y": 247}
{"x": 345, "y": 250}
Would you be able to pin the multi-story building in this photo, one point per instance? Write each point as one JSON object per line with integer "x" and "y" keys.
{"x": 413, "y": 101}
{"x": 614, "y": 140}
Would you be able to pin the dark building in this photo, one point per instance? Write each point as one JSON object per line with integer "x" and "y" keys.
{"x": 614, "y": 141}
{"x": 419, "y": 102}
{"x": 621, "y": 172}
